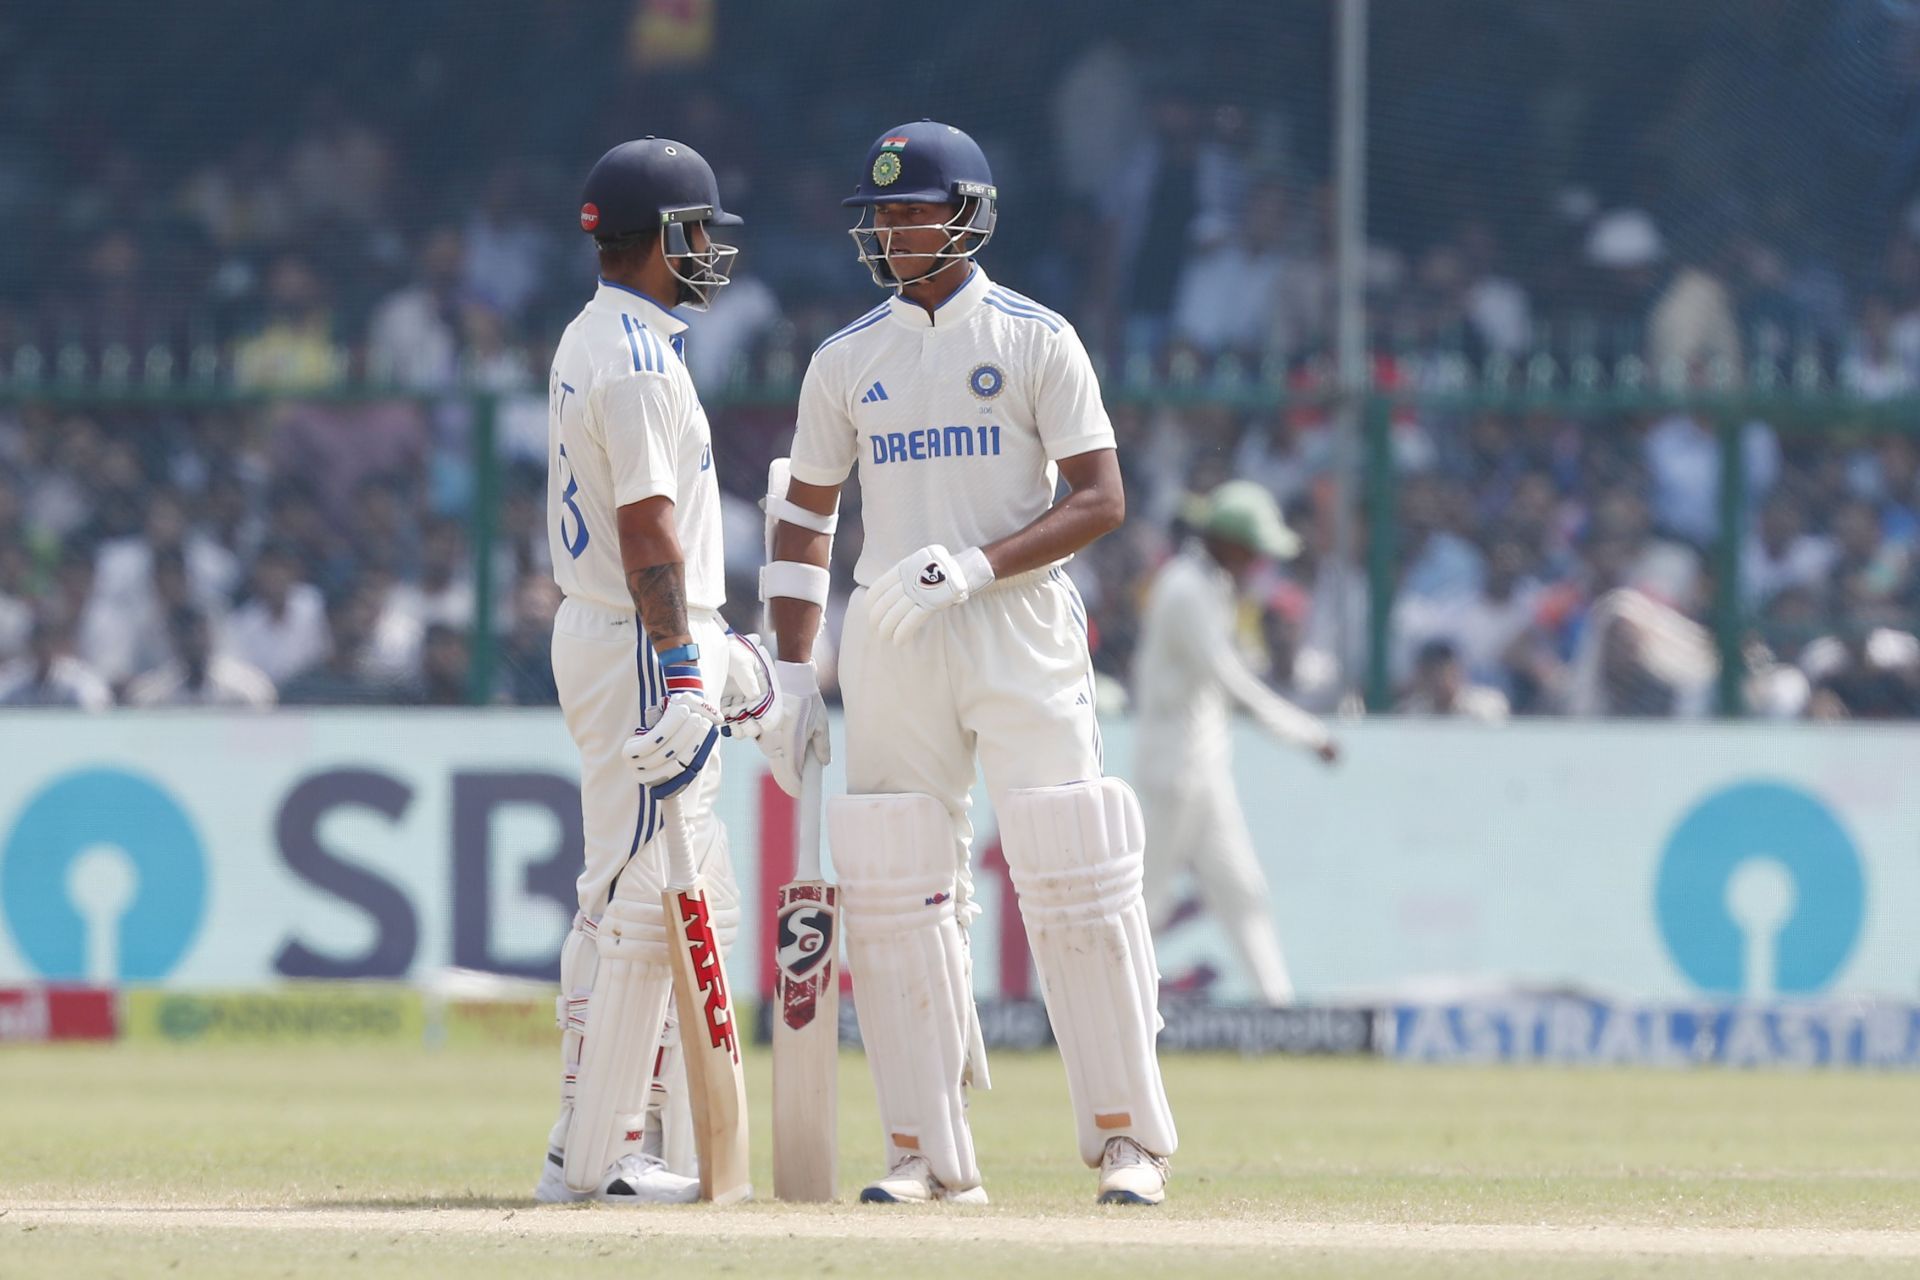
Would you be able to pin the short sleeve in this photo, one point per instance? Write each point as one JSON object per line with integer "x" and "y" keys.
{"x": 824, "y": 441}
{"x": 642, "y": 428}
{"x": 1069, "y": 412}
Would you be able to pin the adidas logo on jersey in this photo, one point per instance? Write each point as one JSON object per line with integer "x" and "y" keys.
{"x": 875, "y": 394}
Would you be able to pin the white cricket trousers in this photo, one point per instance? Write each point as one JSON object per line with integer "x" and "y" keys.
{"x": 1005, "y": 676}
{"x": 1194, "y": 823}
{"x": 605, "y": 670}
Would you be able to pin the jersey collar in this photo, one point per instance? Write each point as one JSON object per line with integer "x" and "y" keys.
{"x": 618, "y": 297}
{"x": 958, "y": 303}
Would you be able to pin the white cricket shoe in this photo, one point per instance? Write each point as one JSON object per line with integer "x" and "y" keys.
{"x": 911, "y": 1181}
{"x": 552, "y": 1187}
{"x": 1130, "y": 1174}
{"x": 633, "y": 1179}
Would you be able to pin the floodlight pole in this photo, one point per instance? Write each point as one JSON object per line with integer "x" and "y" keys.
{"x": 1350, "y": 332}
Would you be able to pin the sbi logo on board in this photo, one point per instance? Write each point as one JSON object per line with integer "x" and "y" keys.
{"x": 1760, "y": 892}
{"x": 103, "y": 878}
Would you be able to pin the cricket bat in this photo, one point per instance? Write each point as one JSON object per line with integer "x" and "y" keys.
{"x": 709, "y": 1032}
{"x": 806, "y": 1017}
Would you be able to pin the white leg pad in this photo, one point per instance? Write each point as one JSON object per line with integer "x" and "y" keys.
{"x": 894, "y": 855}
{"x": 625, "y": 1009}
{"x": 1075, "y": 852}
{"x": 579, "y": 956}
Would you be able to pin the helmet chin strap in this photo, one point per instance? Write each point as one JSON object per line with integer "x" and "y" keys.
{"x": 899, "y": 285}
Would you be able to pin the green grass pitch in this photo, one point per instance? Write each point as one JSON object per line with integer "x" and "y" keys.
{"x": 131, "y": 1160}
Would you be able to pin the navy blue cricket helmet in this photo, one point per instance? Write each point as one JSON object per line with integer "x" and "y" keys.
{"x": 925, "y": 162}
{"x": 659, "y": 185}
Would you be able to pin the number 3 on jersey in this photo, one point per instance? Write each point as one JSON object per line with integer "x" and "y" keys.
{"x": 575, "y": 542}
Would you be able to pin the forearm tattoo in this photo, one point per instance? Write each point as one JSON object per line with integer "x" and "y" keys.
{"x": 659, "y": 594}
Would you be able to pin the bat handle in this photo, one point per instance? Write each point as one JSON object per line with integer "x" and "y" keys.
{"x": 807, "y": 852}
{"x": 680, "y": 871}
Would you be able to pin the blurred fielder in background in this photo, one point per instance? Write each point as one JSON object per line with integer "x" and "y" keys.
{"x": 633, "y": 520}
{"x": 963, "y": 404}
{"x": 1186, "y": 671}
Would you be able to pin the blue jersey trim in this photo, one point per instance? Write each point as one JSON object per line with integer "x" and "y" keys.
{"x": 1022, "y": 300}
{"x": 868, "y": 320}
{"x": 1005, "y": 308}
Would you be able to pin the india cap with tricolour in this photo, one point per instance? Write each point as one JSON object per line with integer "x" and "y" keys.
{"x": 1244, "y": 512}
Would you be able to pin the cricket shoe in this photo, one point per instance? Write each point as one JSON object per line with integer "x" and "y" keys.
{"x": 1130, "y": 1174}
{"x": 911, "y": 1181}
{"x": 633, "y": 1179}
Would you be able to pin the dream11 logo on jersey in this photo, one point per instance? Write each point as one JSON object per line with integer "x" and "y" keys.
{"x": 935, "y": 442}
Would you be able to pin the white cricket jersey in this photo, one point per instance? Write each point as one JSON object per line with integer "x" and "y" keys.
{"x": 1187, "y": 668}
{"x": 624, "y": 424}
{"x": 955, "y": 418}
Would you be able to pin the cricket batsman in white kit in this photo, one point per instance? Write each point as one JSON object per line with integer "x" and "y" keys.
{"x": 962, "y": 402}
{"x": 1187, "y": 672}
{"x": 640, "y": 654}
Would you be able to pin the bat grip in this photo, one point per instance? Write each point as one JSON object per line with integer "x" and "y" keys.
{"x": 807, "y": 851}
{"x": 680, "y": 872}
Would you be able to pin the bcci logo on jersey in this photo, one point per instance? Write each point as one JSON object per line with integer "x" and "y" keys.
{"x": 986, "y": 381}
{"x": 936, "y": 442}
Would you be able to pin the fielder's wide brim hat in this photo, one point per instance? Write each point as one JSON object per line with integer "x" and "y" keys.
{"x": 1243, "y": 512}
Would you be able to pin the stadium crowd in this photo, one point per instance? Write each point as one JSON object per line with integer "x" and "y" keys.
{"x": 304, "y": 548}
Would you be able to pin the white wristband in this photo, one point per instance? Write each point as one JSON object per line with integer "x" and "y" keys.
{"x": 780, "y": 508}
{"x": 975, "y": 571}
{"x": 795, "y": 581}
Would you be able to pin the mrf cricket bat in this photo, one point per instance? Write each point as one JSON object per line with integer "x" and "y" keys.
{"x": 709, "y": 1033}
{"x": 806, "y": 1017}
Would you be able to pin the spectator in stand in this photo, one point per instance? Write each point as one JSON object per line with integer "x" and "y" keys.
{"x": 1441, "y": 687}
{"x": 50, "y": 675}
{"x": 1872, "y": 574}
{"x": 444, "y": 667}
{"x": 442, "y": 593}
{"x": 1867, "y": 673}
{"x": 1177, "y": 183}
{"x": 526, "y": 652}
{"x": 331, "y": 449}
{"x": 1693, "y": 336}
{"x": 1874, "y": 369}
{"x": 413, "y": 339}
{"x": 1781, "y": 553}
{"x": 294, "y": 347}
{"x": 17, "y": 592}
{"x": 1229, "y": 291}
{"x": 282, "y": 628}
{"x": 507, "y": 248}
{"x": 197, "y": 675}
{"x": 351, "y": 674}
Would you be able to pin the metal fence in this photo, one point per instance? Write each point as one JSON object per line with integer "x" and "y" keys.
{"x": 1574, "y": 537}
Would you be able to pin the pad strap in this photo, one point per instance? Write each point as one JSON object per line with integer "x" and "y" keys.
{"x": 785, "y": 509}
{"x": 795, "y": 581}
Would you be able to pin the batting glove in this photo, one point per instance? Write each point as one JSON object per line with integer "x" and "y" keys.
{"x": 751, "y": 703}
{"x": 802, "y": 730}
{"x": 669, "y": 751}
{"x": 929, "y": 580}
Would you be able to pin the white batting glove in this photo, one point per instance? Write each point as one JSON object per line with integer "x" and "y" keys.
{"x": 670, "y": 747}
{"x": 802, "y": 729}
{"x": 929, "y": 580}
{"x": 751, "y": 703}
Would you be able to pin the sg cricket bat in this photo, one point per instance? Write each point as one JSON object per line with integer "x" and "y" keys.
{"x": 709, "y": 1032}
{"x": 806, "y": 1017}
